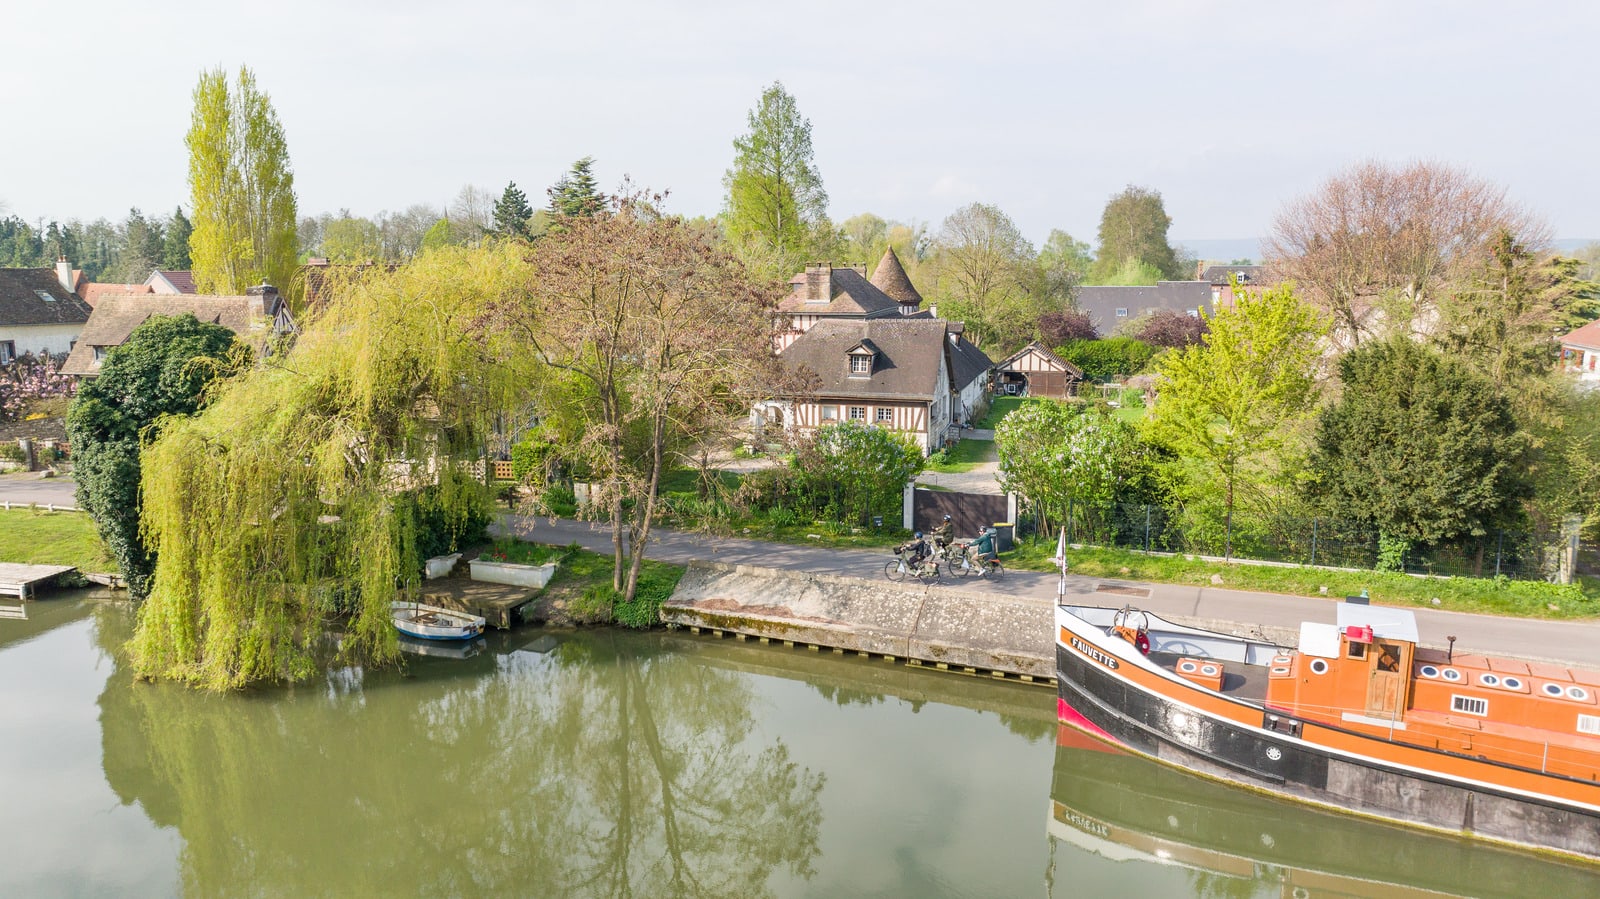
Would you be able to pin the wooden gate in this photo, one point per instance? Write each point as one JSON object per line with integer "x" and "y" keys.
{"x": 969, "y": 512}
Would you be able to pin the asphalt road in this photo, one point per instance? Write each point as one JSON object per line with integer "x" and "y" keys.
{"x": 1570, "y": 642}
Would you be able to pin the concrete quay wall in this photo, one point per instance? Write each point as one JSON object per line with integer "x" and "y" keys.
{"x": 941, "y": 625}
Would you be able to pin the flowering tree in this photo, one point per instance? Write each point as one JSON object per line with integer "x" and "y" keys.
{"x": 1059, "y": 459}
{"x": 28, "y": 379}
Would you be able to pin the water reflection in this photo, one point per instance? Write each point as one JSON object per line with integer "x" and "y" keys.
{"x": 1156, "y": 824}
{"x": 605, "y": 766}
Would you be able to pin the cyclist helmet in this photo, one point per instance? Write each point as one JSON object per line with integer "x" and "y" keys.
{"x": 947, "y": 518}
{"x": 917, "y": 534}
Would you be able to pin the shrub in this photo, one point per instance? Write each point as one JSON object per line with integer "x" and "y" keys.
{"x": 1104, "y": 360}
{"x": 12, "y": 451}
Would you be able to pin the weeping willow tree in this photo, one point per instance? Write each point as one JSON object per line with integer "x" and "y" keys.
{"x": 295, "y": 496}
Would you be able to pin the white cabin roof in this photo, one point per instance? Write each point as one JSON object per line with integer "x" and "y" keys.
{"x": 1319, "y": 638}
{"x": 1392, "y": 624}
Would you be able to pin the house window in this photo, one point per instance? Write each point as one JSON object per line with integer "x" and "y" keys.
{"x": 45, "y": 296}
{"x": 884, "y": 415}
{"x": 861, "y": 364}
{"x": 8, "y": 351}
{"x": 830, "y": 413}
{"x": 99, "y": 353}
{"x": 1122, "y": 313}
{"x": 858, "y": 413}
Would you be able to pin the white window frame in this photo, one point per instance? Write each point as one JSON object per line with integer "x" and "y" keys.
{"x": 8, "y": 351}
{"x": 858, "y": 413}
{"x": 830, "y": 413}
{"x": 883, "y": 415}
{"x": 1122, "y": 312}
{"x": 860, "y": 364}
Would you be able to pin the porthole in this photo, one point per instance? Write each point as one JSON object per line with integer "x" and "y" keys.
{"x": 1319, "y": 666}
{"x": 1429, "y": 671}
{"x": 1450, "y": 674}
{"x": 1186, "y": 667}
{"x": 1281, "y": 660}
{"x": 1280, "y": 671}
{"x": 1511, "y": 683}
{"x": 1209, "y": 670}
{"x": 1552, "y": 689}
{"x": 1578, "y": 693}
{"x": 1489, "y": 680}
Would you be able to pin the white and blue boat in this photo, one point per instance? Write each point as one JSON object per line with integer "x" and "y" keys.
{"x": 433, "y": 623}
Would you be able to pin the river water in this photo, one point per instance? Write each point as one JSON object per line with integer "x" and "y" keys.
{"x": 602, "y": 763}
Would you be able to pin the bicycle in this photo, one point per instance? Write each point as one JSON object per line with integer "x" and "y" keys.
{"x": 899, "y": 568}
{"x": 959, "y": 559}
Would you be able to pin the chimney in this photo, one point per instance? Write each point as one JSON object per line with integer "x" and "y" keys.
{"x": 64, "y": 273}
{"x": 819, "y": 282}
{"x": 860, "y": 267}
{"x": 268, "y": 295}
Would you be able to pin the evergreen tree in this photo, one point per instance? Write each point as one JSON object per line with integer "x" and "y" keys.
{"x": 576, "y": 193}
{"x": 175, "y": 250}
{"x": 512, "y": 214}
{"x": 1134, "y": 227}
{"x": 241, "y": 187}
{"x": 776, "y": 209}
{"x": 1420, "y": 445}
{"x": 143, "y": 243}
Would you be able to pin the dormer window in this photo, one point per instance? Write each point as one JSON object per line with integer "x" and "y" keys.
{"x": 861, "y": 363}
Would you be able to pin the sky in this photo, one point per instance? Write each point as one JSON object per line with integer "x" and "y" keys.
{"x": 1229, "y": 109}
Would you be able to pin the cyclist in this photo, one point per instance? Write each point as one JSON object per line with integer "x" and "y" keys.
{"x": 982, "y": 549}
{"x": 943, "y": 533}
{"x": 916, "y": 550}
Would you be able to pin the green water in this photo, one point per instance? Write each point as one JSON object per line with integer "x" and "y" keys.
{"x": 602, "y": 764}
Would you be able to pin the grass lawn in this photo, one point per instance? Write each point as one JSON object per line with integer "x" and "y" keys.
{"x": 1002, "y": 406}
{"x": 52, "y": 538}
{"x": 964, "y": 456}
{"x": 1131, "y": 414}
{"x": 1524, "y": 599}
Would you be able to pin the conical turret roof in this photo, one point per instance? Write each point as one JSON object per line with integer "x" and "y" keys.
{"x": 890, "y": 277}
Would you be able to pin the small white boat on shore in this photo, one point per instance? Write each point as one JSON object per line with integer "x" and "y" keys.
{"x": 433, "y": 623}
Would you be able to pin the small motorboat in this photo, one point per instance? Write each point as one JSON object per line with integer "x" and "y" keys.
{"x": 433, "y": 623}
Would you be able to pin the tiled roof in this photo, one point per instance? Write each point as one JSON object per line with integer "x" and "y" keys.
{"x": 183, "y": 282}
{"x": 906, "y": 367}
{"x": 967, "y": 362}
{"x": 890, "y": 277}
{"x": 34, "y": 296}
{"x": 847, "y": 292}
{"x": 92, "y": 293}
{"x": 1101, "y": 303}
{"x": 1254, "y": 275}
{"x": 1056, "y": 362}
{"x": 118, "y": 314}
{"x": 1587, "y": 337}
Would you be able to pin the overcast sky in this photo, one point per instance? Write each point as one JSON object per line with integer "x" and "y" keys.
{"x": 1044, "y": 109}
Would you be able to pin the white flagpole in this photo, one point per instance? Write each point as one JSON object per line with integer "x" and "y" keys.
{"x": 1061, "y": 561}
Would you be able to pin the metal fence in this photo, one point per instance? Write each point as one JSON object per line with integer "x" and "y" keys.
{"x": 1520, "y": 555}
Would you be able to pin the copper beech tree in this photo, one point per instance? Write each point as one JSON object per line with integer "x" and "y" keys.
{"x": 651, "y": 331}
{"x": 1379, "y": 249}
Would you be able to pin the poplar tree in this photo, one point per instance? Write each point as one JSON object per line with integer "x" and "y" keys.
{"x": 241, "y": 187}
{"x": 776, "y": 207}
{"x": 1134, "y": 227}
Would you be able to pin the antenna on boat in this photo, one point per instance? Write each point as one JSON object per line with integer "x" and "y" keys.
{"x": 1450, "y": 653}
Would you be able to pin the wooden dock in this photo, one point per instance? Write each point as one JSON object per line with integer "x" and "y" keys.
{"x": 500, "y": 604}
{"x": 23, "y": 581}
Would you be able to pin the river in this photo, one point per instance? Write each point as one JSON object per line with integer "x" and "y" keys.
{"x": 610, "y": 763}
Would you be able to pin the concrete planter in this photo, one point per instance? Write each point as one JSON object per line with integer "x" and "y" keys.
{"x": 440, "y": 566}
{"x": 512, "y": 573}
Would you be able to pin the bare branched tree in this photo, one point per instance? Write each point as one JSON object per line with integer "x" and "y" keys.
{"x": 1378, "y": 248}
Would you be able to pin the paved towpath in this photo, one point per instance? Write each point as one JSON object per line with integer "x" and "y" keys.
{"x": 1575, "y": 642}
{"x": 28, "y": 487}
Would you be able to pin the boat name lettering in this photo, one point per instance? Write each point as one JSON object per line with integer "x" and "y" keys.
{"x": 1089, "y": 825}
{"x": 1093, "y": 653}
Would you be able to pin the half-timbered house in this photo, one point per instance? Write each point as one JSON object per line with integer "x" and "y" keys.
{"x": 1035, "y": 371}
